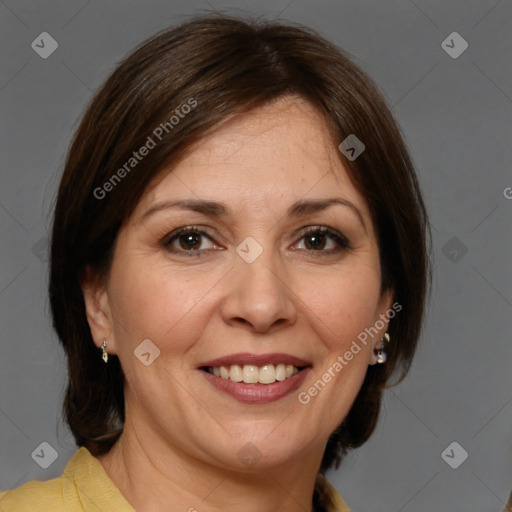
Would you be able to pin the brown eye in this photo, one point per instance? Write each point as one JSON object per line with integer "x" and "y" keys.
{"x": 324, "y": 240}
{"x": 315, "y": 241}
{"x": 190, "y": 241}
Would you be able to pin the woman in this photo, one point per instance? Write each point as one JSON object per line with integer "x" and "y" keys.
{"x": 238, "y": 269}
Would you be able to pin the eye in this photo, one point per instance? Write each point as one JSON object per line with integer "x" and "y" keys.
{"x": 325, "y": 240}
{"x": 189, "y": 240}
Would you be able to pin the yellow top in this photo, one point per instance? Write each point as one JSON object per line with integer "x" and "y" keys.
{"x": 83, "y": 487}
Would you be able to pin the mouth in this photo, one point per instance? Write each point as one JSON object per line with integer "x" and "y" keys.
{"x": 256, "y": 378}
{"x": 252, "y": 374}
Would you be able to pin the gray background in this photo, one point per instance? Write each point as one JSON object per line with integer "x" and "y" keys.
{"x": 456, "y": 116}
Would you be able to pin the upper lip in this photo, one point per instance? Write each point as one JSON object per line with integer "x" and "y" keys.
{"x": 256, "y": 360}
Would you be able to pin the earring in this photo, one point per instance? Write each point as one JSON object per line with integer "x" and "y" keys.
{"x": 104, "y": 354}
{"x": 381, "y": 355}
{"x": 380, "y": 352}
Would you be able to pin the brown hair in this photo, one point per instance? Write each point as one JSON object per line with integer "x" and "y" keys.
{"x": 226, "y": 66}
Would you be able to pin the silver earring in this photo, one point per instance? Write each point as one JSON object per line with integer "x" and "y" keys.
{"x": 380, "y": 352}
{"x": 381, "y": 355}
{"x": 104, "y": 354}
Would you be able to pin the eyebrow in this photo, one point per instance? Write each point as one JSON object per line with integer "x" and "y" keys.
{"x": 307, "y": 207}
{"x": 219, "y": 210}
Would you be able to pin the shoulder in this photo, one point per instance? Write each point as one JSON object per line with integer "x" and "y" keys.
{"x": 53, "y": 495}
{"x": 338, "y": 505}
{"x": 83, "y": 485}
{"x": 56, "y": 495}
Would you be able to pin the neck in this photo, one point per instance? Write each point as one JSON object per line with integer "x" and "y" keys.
{"x": 137, "y": 466}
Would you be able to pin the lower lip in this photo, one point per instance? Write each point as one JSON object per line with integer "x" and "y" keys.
{"x": 258, "y": 393}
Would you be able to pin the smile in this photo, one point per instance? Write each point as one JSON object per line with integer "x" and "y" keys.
{"x": 252, "y": 374}
{"x": 256, "y": 378}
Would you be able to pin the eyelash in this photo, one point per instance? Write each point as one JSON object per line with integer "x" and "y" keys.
{"x": 342, "y": 241}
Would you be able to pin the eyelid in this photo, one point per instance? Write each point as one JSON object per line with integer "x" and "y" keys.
{"x": 201, "y": 230}
{"x": 342, "y": 241}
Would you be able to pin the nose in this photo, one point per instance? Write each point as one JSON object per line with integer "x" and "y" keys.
{"x": 260, "y": 296}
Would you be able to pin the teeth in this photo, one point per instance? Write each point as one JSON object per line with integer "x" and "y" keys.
{"x": 251, "y": 374}
{"x": 280, "y": 372}
{"x": 267, "y": 374}
{"x": 235, "y": 373}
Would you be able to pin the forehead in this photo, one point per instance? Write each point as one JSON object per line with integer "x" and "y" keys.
{"x": 286, "y": 125}
{"x": 280, "y": 152}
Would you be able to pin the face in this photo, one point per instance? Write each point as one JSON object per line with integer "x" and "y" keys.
{"x": 254, "y": 254}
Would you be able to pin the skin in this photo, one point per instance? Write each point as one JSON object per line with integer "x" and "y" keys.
{"x": 181, "y": 434}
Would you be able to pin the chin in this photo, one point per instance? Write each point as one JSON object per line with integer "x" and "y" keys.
{"x": 251, "y": 452}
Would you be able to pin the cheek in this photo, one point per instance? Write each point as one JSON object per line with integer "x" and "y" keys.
{"x": 341, "y": 309}
{"x": 156, "y": 303}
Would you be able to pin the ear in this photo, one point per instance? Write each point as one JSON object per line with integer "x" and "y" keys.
{"x": 97, "y": 308}
{"x": 382, "y": 320}
{"x": 386, "y": 303}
